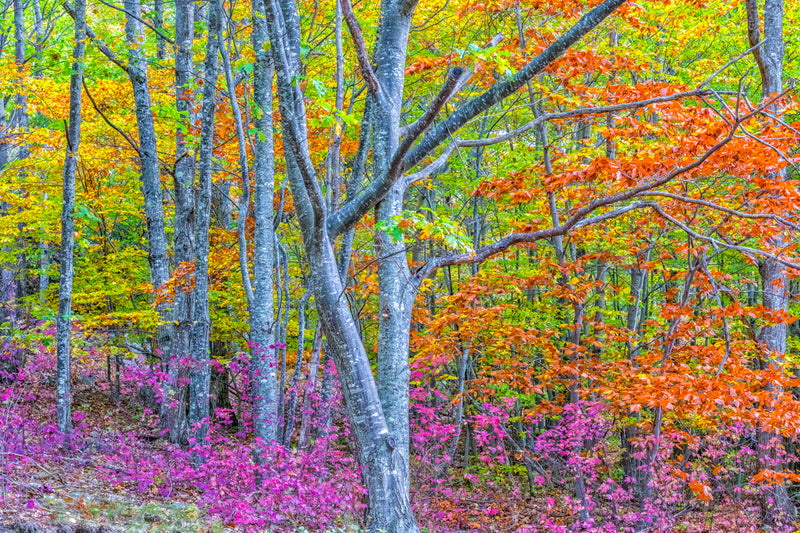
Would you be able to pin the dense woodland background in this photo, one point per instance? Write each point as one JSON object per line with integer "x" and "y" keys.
{"x": 399, "y": 266}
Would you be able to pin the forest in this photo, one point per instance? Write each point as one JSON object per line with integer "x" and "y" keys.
{"x": 409, "y": 266}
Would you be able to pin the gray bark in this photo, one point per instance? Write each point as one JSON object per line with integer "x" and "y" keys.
{"x": 4, "y": 124}
{"x": 263, "y": 368}
{"x": 200, "y": 377}
{"x": 6, "y": 275}
{"x": 283, "y": 288}
{"x": 3, "y": 133}
{"x": 183, "y": 183}
{"x": 461, "y": 364}
{"x": 18, "y": 122}
{"x": 151, "y": 188}
{"x": 63, "y": 321}
{"x": 379, "y": 421}
{"x": 44, "y": 248}
{"x": 347, "y": 216}
{"x": 291, "y": 406}
{"x": 20, "y": 100}
{"x": 778, "y": 509}
{"x": 310, "y": 385}
{"x": 158, "y": 23}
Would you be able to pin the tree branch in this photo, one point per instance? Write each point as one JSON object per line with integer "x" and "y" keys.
{"x": 462, "y": 81}
{"x": 744, "y": 249}
{"x": 503, "y": 137}
{"x": 351, "y": 212}
{"x": 579, "y": 218}
{"x": 727, "y": 210}
{"x": 105, "y": 50}
{"x": 361, "y": 48}
{"x": 107, "y": 121}
{"x": 505, "y": 88}
{"x": 373, "y": 194}
{"x": 131, "y": 15}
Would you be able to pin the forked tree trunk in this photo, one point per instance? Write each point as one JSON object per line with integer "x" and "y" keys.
{"x": 379, "y": 421}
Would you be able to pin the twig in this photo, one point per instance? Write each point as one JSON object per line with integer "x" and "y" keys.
{"x": 361, "y": 48}
{"x": 107, "y": 121}
{"x": 106, "y": 51}
{"x": 131, "y": 15}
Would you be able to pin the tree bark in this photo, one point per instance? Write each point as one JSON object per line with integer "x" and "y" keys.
{"x": 200, "y": 377}
{"x": 151, "y": 187}
{"x": 291, "y": 406}
{"x": 263, "y": 367}
{"x": 379, "y": 421}
{"x": 64, "y": 321}
{"x": 777, "y": 507}
{"x": 184, "y": 209}
{"x": 309, "y": 387}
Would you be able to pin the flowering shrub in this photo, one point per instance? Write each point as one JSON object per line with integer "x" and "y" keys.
{"x": 497, "y": 468}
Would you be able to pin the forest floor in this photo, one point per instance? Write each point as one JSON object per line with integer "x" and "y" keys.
{"x": 68, "y": 493}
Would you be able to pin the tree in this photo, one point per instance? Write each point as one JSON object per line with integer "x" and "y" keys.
{"x": 379, "y": 420}
{"x": 66, "y": 256}
{"x": 778, "y": 509}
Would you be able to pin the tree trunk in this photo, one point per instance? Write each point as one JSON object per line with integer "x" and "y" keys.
{"x": 777, "y": 507}
{"x": 184, "y": 210}
{"x": 382, "y": 442}
{"x": 263, "y": 369}
{"x": 64, "y": 321}
{"x": 172, "y": 417}
{"x": 309, "y": 388}
{"x": 200, "y": 378}
{"x": 291, "y": 406}
{"x": 396, "y": 293}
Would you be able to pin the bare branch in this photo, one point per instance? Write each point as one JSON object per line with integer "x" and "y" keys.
{"x": 131, "y": 15}
{"x": 601, "y": 110}
{"x": 699, "y": 236}
{"x": 434, "y": 167}
{"x": 343, "y": 217}
{"x": 105, "y": 50}
{"x": 361, "y": 48}
{"x": 541, "y": 119}
{"x": 507, "y": 242}
{"x": 499, "y": 91}
{"x": 727, "y": 210}
{"x": 579, "y": 218}
{"x": 754, "y": 48}
{"x": 350, "y": 213}
{"x": 107, "y": 121}
{"x": 462, "y": 81}
{"x": 416, "y": 129}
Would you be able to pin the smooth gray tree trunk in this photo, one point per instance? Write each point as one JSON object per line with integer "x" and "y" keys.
{"x": 263, "y": 365}
{"x": 381, "y": 435}
{"x": 777, "y": 507}
{"x": 63, "y": 321}
{"x": 21, "y": 99}
{"x": 291, "y": 406}
{"x": 309, "y": 388}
